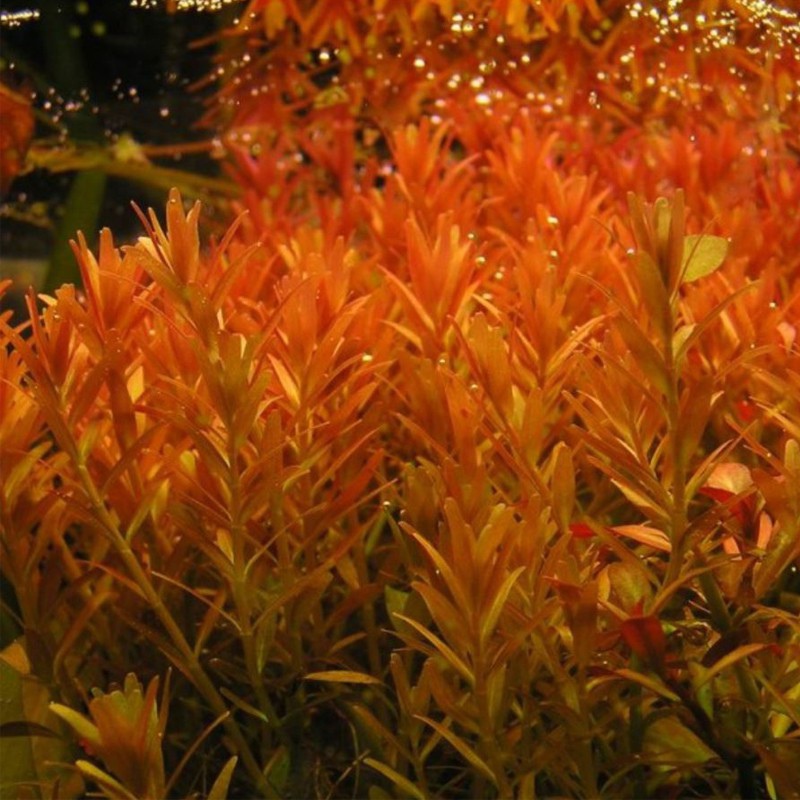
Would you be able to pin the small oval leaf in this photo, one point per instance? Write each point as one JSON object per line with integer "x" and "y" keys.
{"x": 702, "y": 255}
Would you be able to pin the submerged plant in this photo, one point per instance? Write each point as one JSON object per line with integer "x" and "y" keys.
{"x": 461, "y": 465}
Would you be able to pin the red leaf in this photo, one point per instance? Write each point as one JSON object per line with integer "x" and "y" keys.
{"x": 580, "y": 530}
{"x": 645, "y": 636}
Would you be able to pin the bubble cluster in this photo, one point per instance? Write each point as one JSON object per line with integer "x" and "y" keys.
{"x": 13, "y": 19}
{"x": 184, "y": 5}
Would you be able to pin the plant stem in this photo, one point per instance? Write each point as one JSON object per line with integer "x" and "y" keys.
{"x": 678, "y": 513}
{"x": 239, "y": 589}
{"x": 191, "y": 663}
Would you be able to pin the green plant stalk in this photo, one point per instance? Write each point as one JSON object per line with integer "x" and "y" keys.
{"x": 678, "y": 523}
{"x": 678, "y": 512}
{"x": 192, "y": 663}
{"x": 488, "y": 736}
{"x": 82, "y": 210}
{"x": 636, "y": 739}
{"x": 240, "y": 594}
{"x": 584, "y": 756}
{"x": 368, "y": 617}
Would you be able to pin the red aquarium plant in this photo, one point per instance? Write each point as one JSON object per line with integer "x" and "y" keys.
{"x": 465, "y": 463}
{"x": 15, "y": 109}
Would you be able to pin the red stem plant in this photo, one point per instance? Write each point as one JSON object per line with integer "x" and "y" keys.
{"x": 463, "y": 464}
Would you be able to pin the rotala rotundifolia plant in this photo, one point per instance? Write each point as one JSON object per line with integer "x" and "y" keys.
{"x": 463, "y": 463}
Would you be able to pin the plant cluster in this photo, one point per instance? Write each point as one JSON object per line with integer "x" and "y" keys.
{"x": 463, "y": 464}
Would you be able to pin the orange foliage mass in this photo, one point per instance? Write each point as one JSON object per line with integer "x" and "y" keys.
{"x": 460, "y": 440}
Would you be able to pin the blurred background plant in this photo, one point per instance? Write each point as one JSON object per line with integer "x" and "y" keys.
{"x": 97, "y": 112}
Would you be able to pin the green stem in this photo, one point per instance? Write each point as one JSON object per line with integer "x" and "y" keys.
{"x": 81, "y": 212}
{"x": 199, "y": 677}
{"x": 678, "y": 513}
{"x": 487, "y": 728}
{"x": 636, "y": 740}
{"x": 241, "y": 597}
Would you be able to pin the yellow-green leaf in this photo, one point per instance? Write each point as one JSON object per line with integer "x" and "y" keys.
{"x": 219, "y": 791}
{"x": 731, "y": 658}
{"x": 466, "y": 751}
{"x": 405, "y": 785}
{"x": 668, "y": 740}
{"x": 341, "y": 676}
{"x": 649, "y": 682}
{"x": 702, "y": 255}
{"x": 111, "y": 787}
{"x": 82, "y": 726}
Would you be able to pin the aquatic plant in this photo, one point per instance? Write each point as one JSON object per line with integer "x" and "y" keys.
{"x": 466, "y": 463}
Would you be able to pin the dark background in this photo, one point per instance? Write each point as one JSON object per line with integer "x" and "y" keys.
{"x": 100, "y": 69}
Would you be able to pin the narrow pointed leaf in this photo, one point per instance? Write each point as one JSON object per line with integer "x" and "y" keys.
{"x": 219, "y": 789}
{"x": 342, "y": 676}
{"x": 405, "y": 785}
{"x": 466, "y": 751}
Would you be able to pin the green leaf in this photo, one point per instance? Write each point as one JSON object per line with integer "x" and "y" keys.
{"x": 405, "y": 785}
{"x": 18, "y": 761}
{"x": 219, "y": 791}
{"x": 654, "y": 293}
{"x": 466, "y": 751}
{"x": 395, "y": 602}
{"x": 728, "y": 660}
{"x": 82, "y": 726}
{"x": 243, "y": 705}
{"x": 653, "y": 684}
{"x": 645, "y": 354}
{"x": 111, "y": 787}
{"x": 446, "y": 652}
{"x": 702, "y": 255}
{"x": 668, "y": 740}
{"x": 489, "y": 622}
{"x": 341, "y": 676}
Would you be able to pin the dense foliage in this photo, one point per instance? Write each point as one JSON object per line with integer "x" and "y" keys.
{"x": 463, "y": 464}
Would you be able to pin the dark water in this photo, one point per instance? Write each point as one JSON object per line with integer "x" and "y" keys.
{"x": 104, "y": 74}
